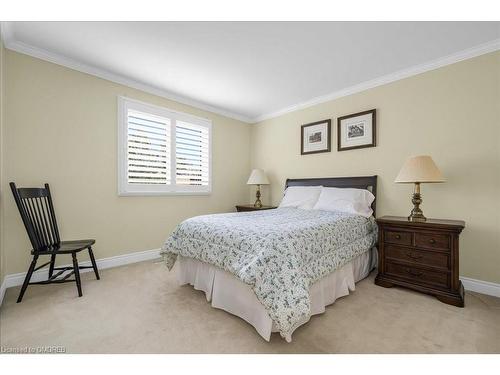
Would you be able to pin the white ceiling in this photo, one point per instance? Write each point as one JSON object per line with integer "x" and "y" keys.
{"x": 250, "y": 70}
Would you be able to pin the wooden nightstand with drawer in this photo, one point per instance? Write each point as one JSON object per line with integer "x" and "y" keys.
{"x": 422, "y": 256}
{"x": 251, "y": 207}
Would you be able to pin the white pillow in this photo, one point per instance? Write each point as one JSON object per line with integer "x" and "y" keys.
{"x": 354, "y": 201}
{"x": 304, "y": 197}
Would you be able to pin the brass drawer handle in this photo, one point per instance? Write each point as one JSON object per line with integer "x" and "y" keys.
{"x": 415, "y": 257}
{"x": 416, "y": 274}
{"x": 432, "y": 241}
{"x": 398, "y": 237}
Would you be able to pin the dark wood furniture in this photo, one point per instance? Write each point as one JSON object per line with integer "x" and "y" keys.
{"x": 422, "y": 256}
{"x": 364, "y": 182}
{"x": 251, "y": 207}
{"x": 38, "y": 215}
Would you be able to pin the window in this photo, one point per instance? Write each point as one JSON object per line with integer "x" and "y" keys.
{"x": 161, "y": 151}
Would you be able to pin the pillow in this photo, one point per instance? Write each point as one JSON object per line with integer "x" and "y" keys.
{"x": 304, "y": 197}
{"x": 354, "y": 201}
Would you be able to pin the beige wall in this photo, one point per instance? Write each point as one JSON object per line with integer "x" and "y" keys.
{"x": 61, "y": 128}
{"x": 2, "y": 64}
{"x": 452, "y": 113}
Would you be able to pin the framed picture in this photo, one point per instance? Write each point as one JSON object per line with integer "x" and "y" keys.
{"x": 356, "y": 130}
{"x": 315, "y": 137}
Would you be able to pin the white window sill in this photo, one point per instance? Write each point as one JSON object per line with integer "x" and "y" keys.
{"x": 161, "y": 193}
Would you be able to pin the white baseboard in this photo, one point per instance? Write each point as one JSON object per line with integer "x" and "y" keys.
{"x": 479, "y": 286}
{"x": 116, "y": 261}
{"x": 3, "y": 288}
{"x": 473, "y": 285}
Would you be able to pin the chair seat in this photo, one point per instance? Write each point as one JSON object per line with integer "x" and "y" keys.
{"x": 66, "y": 247}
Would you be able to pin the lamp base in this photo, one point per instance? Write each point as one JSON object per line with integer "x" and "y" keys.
{"x": 416, "y": 213}
{"x": 258, "y": 203}
{"x": 416, "y": 217}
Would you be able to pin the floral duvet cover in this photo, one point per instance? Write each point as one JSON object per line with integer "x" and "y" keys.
{"x": 279, "y": 253}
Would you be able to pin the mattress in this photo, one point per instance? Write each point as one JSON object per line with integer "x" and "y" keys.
{"x": 228, "y": 293}
{"x": 278, "y": 253}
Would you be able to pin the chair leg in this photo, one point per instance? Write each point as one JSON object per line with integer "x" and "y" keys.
{"x": 52, "y": 264}
{"x": 94, "y": 264}
{"x": 27, "y": 278}
{"x": 77, "y": 274}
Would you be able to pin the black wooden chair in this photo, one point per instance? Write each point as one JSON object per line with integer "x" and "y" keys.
{"x": 37, "y": 211}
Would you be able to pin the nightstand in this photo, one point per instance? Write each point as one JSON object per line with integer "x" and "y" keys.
{"x": 422, "y": 256}
{"x": 251, "y": 207}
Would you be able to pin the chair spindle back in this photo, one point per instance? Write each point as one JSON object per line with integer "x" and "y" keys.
{"x": 37, "y": 212}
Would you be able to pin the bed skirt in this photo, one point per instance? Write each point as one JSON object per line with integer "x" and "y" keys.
{"x": 228, "y": 293}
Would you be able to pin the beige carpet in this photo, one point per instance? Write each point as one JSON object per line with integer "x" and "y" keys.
{"x": 140, "y": 309}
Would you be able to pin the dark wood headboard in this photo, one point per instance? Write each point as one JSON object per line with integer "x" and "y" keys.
{"x": 364, "y": 182}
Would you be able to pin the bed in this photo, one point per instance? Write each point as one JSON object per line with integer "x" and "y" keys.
{"x": 276, "y": 268}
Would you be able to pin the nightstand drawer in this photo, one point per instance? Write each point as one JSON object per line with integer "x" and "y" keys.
{"x": 433, "y": 240}
{"x": 397, "y": 237}
{"x": 418, "y": 275}
{"x": 428, "y": 258}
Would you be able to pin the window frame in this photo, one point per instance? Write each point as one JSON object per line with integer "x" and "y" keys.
{"x": 126, "y": 189}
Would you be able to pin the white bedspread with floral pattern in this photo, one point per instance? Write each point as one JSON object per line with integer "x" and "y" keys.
{"x": 279, "y": 252}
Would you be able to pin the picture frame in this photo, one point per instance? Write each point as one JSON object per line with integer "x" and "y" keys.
{"x": 357, "y": 130}
{"x": 315, "y": 137}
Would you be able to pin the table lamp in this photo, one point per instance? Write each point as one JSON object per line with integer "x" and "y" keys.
{"x": 417, "y": 170}
{"x": 258, "y": 177}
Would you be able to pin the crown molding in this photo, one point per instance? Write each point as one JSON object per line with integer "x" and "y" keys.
{"x": 469, "y": 53}
{"x": 42, "y": 54}
{"x": 11, "y": 44}
{"x": 5, "y": 31}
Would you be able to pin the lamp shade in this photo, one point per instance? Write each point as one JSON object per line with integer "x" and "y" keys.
{"x": 258, "y": 177}
{"x": 419, "y": 169}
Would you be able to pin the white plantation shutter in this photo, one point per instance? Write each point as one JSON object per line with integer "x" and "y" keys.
{"x": 192, "y": 154}
{"x": 162, "y": 151}
{"x": 148, "y": 149}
